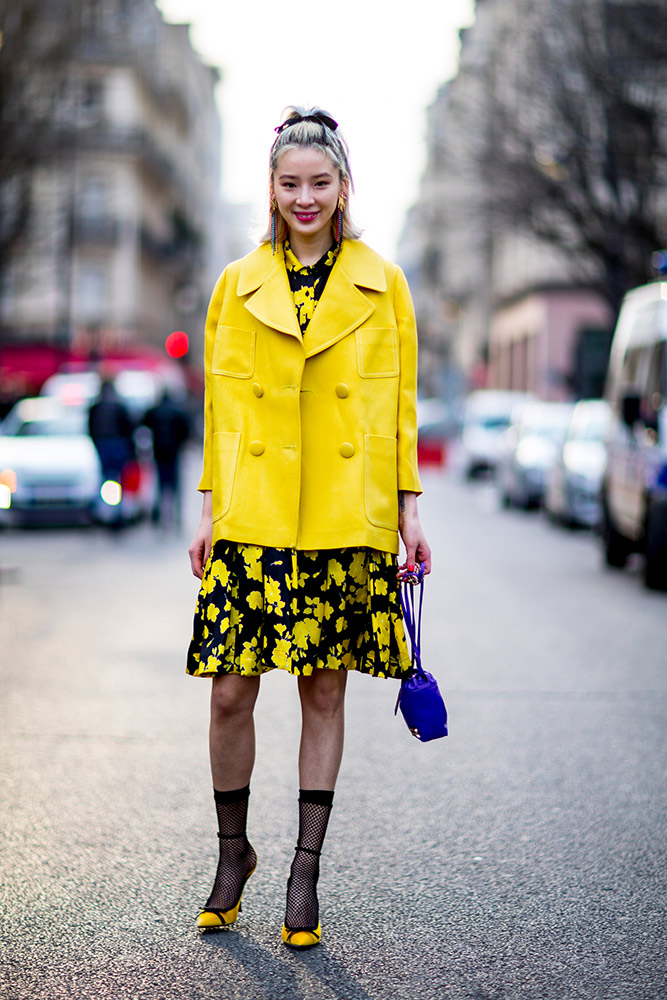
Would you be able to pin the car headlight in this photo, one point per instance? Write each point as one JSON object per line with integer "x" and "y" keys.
{"x": 111, "y": 492}
{"x": 8, "y": 478}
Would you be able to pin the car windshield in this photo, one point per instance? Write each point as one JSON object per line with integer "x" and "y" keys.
{"x": 594, "y": 429}
{"x": 66, "y": 425}
{"x": 547, "y": 423}
{"x": 493, "y": 422}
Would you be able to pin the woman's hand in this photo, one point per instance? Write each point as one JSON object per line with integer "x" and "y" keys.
{"x": 200, "y": 548}
{"x": 416, "y": 547}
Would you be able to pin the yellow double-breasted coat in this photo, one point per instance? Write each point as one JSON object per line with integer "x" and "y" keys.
{"x": 309, "y": 438}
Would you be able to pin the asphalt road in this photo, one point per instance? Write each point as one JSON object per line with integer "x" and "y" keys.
{"x": 522, "y": 858}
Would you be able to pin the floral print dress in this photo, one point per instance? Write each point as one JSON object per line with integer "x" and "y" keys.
{"x": 261, "y": 608}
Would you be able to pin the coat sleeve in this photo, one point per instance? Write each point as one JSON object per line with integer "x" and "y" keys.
{"x": 408, "y": 474}
{"x": 212, "y": 318}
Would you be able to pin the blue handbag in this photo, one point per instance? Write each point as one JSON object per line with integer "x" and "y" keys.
{"x": 419, "y": 698}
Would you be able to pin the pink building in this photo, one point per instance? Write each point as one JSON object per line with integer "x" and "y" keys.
{"x": 552, "y": 342}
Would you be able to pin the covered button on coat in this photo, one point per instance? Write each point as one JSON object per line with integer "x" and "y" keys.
{"x": 309, "y": 438}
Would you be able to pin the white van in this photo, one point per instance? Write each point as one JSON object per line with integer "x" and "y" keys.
{"x": 634, "y": 489}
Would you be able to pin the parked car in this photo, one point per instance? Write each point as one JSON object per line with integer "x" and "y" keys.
{"x": 49, "y": 469}
{"x": 486, "y": 417}
{"x": 436, "y": 425}
{"x": 529, "y": 449}
{"x": 572, "y": 495}
{"x": 634, "y": 489}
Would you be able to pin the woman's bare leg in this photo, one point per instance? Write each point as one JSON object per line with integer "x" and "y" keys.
{"x": 232, "y": 730}
{"x": 322, "y": 728}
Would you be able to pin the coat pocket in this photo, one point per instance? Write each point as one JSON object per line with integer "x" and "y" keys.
{"x": 381, "y": 487}
{"x": 233, "y": 352}
{"x": 225, "y": 457}
{"x": 377, "y": 352}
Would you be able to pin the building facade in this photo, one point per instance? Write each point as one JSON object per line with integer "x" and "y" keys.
{"x": 531, "y": 181}
{"x": 121, "y": 237}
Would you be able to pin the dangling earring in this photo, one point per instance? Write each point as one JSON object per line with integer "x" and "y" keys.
{"x": 274, "y": 237}
{"x": 339, "y": 221}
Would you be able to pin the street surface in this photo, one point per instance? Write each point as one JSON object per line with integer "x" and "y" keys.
{"x": 522, "y": 858}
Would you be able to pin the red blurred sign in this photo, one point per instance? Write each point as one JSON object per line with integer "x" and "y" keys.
{"x": 176, "y": 344}
{"x": 131, "y": 477}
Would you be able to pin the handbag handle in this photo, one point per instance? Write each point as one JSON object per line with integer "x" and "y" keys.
{"x": 412, "y": 620}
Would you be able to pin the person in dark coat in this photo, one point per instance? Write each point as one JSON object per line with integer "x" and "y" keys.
{"x": 170, "y": 427}
{"x": 111, "y": 428}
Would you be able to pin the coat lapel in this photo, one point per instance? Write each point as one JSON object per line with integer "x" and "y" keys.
{"x": 271, "y": 302}
{"x": 343, "y": 305}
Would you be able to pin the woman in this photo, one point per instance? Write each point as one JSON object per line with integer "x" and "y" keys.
{"x": 309, "y": 474}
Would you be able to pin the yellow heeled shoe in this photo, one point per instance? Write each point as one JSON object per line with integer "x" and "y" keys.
{"x": 301, "y": 938}
{"x": 216, "y": 920}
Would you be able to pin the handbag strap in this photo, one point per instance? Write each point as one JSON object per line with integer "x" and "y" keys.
{"x": 412, "y": 620}
{"x": 413, "y": 623}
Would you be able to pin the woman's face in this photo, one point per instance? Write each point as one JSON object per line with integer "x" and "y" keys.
{"x": 306, "y": 186}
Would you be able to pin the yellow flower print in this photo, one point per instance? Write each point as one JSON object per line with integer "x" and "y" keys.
{"x": 304, "y": 631}
{"x": 255, "y": 600}
{"x": 272, "y": 591}
{"x": 249, "y": 651}
{"x": 332, "y": 662}
{"x": 381, "y": 587}
{"x": 340, "y": 624}
{"x": 322, "y": 609}
{"x": 252, "y": 557}
{"x": 336, "y": 571}
{"x": 250, "y": 646}
{"x": 280, "y": 655}
{"x": 212, "y": 664}
{"x": 382, "y": 629}
{"x": 304, "y": 300}
{"x": 212, "y": 612}
{"x": 357, "y": 566}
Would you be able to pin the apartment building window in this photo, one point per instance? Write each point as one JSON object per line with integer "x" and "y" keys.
{"x": 94, "y": 198}
{"x": 92, "y": 292}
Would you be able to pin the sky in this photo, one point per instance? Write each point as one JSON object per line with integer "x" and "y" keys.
{"x": 374, "y": 64}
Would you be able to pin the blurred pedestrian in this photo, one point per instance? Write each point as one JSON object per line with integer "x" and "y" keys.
{"x": 112, "y": 430}
{"x": 310, "y": 473}
{"x": 170, "y": 427}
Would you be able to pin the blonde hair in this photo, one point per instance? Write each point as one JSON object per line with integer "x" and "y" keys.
{"x": 305, "y": 127}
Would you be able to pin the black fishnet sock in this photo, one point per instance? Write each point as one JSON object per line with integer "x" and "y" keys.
{"x": 237, "y": 857}
{"x": 302, "y": 911}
